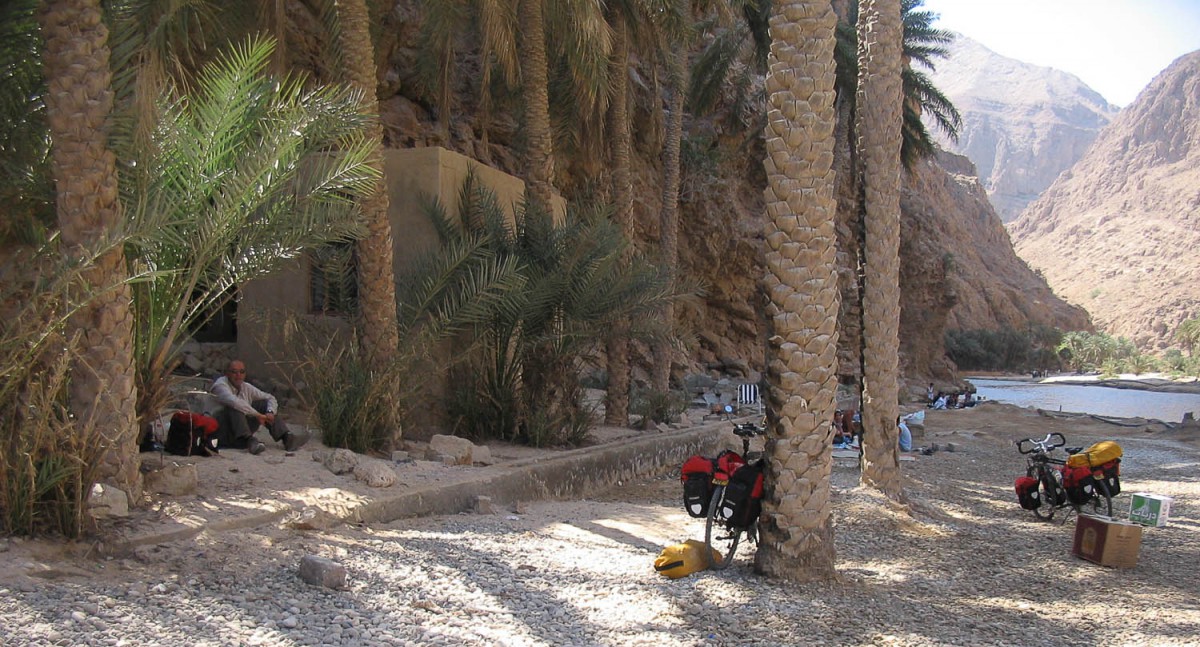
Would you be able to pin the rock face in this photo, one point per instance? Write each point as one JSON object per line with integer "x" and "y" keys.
{"x": 1023, "y": 124}
{"x": 957, "y": 264}
{"x": 1117, "y": 233}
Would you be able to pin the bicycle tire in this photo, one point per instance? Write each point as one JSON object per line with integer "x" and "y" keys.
{"x": 725, "y": 546}
{"x": 1101, "y": 501}
{"x": 1048, "y": 491}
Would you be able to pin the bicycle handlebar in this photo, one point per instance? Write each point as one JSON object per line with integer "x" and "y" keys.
{"x": 748, "y": 430}
{"x": 1052, "y": 441}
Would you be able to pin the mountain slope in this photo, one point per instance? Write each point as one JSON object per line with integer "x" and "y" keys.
{"x": 1022, "y": 124}
{"x": 1117, "y": 233}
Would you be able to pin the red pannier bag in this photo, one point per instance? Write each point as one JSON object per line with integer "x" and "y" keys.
{"x": 1027, "y": 493}
{"x": 191, "y": 434}
{"x": 697, "y": 476}
{"x": 742, "y": 502}
{"x": 1109, "y": 474}
{"x": 1078, "y": 483}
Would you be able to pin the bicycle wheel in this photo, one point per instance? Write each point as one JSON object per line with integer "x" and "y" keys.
{"x": 1048, "y": 492}
{"x": 1101, "y": 501}
{"x": 717, "y": 535}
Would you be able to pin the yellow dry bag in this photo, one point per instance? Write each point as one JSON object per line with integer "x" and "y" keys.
{"x": 1096, "y": 455}
{"x": 683, "y": 559}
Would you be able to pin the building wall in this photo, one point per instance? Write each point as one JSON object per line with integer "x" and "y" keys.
{"x": 414, "y": 176}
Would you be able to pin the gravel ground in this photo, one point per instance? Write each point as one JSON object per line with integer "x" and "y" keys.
{"x": 961, "y": 565}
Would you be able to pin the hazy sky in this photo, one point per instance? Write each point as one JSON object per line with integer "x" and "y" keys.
{"x": 1116, "y": 46}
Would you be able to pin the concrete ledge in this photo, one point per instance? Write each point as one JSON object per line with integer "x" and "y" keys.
{"x": 572, "y": 473}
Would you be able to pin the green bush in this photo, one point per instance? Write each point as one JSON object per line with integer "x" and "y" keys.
{"x": 658, "y": 406}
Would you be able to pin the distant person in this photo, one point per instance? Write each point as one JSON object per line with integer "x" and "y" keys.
{"x": 905, "y": 435}
{"x": 930, "y": 396}
{"x": 245, "y": 408}
{"x": 940, "y": 401}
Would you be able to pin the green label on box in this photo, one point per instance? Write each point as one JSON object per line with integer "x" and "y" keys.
{"x": 1145, "y": 511}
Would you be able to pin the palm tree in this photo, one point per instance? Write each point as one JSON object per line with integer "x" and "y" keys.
{"x": 1188, "y": 334}
{"x": 718, "y": 66}
{"x": 878, "y": 126}
{"x": 801, "y": 284}
{"x": 634, "y": 23}
{"x": 224, "y": 193}
{"x": 79, "y": 102}
{"x": 922, "y": 44}
{"x": 376, "y": 276}
{"x": 616, "y": 399}
{"x": 534, "y": 295}
{"x": 669, "y": 216}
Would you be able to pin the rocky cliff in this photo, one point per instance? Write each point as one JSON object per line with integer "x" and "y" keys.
{"x": 1118, "y": 232}
{"x": 1022, "y": 124}
{"x": 958, "y": 268}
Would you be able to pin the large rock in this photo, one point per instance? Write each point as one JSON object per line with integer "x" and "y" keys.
{"x": 375, "y": 474}
{"x": 108, "y": 501}
{"x": 173, "y": 479}
{"x": 320, "y": 571}
{"x": 338, "y": 461}
{"x": 459, "y": 450}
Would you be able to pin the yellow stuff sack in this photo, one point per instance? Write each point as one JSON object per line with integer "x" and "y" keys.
{"x": 1096, "y": 455}
{"x": 683, "y": 559}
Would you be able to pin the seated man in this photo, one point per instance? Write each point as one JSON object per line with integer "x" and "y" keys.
{"x": 905, "y": 435}
{"x": 246, "y": 407}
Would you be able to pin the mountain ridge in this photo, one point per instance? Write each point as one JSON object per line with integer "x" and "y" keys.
{"x": 1116, "y": 232}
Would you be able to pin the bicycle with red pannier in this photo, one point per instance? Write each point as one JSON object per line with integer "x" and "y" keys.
{"x": 727, "y": 492}
{"x": 1085, "y": 481}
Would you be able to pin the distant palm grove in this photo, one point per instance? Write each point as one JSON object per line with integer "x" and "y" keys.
{"x": 1042, "y": 349}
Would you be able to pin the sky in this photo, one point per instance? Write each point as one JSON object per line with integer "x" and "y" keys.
{"x": 1115, "y": 46}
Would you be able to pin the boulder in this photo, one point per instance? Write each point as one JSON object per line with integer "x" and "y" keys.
{"x": 338, "y": 461}
{"x": 320, "y": 571}
{"x": 173, "y": 480}
{"x": 375, "y": 474}
{"x": 108, "y": 501}
{"x": 459, "y": 449}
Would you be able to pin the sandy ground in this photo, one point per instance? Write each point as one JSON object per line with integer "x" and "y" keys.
{"x": 961, "y": 548}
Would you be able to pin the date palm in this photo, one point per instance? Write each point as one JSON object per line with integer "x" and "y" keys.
{"x": 79, "y": 104}
{"x": 879, "y": 120}
{"x": 376, "y": 319}
{"x": 801, "y": 285}
{"x": 635, "y": 25}
{"x": 616, "y": 399}
{"x": 225, "y": 193}
{"x": 557, "y": 51}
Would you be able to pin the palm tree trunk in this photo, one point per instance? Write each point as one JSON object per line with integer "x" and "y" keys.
{"x": 377, "y": 328}
{"x": 880, "y": 104}
{"x": 616, "y": 400}
{"x": 801, "y": 284}
{"x": 79, "y": 101}
{"x": 539, "y": 144}
{"x": 669, "y": 218}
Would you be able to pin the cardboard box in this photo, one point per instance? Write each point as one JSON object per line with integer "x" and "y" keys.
{"x": 1106, "y": 541}
{"x": 1149, "y": 509}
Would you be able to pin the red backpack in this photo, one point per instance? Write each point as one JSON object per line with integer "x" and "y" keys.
{"x": 191, "y": 434}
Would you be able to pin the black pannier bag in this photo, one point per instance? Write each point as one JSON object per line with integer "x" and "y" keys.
{"x": 1078, "y": 483}
{"x": 1027, "y": 493}
{"x": 1112, "y": 476}
{"x": 697, "y": 475}
{"x": 742, "y": 502}
{"x": 191, "y": 434}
